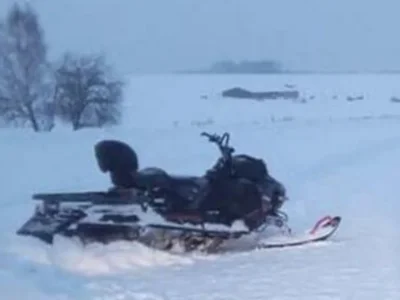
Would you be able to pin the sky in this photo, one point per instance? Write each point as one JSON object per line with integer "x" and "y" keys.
{"x": 168, "y": 35}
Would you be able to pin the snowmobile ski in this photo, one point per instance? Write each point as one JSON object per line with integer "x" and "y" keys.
{"x": 323, "y": 229}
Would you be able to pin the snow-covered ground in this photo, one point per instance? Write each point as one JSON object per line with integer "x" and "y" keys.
{"x": 335, "y": 157}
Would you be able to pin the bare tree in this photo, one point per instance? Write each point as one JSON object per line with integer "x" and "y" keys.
{"x": 86, "y": 94}
{"x": 26, "y": 84}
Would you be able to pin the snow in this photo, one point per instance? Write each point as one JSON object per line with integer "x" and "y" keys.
{"x": 334, "y": 157}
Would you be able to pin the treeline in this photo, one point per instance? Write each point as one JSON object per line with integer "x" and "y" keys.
{"x": 247, "y": 66}
{"x": 77, "y": 89}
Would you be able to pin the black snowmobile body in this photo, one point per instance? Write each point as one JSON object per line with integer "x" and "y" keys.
{"x": 233, "y": 198}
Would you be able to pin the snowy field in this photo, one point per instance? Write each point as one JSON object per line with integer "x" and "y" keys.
{"x": 334, "y": 156}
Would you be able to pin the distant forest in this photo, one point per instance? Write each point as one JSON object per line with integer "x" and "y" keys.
{"x": 273, "y": 67}
{"x": 243, "y": 67}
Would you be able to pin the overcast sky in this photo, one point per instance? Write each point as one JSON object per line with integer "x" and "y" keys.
{"x": 164, "y": 35}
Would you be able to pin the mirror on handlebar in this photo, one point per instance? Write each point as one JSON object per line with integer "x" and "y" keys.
{"x": 225, "y": 137}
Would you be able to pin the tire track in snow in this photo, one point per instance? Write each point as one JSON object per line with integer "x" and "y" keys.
{"x": 340, "y": 161}
{"x": 324, "y": 188}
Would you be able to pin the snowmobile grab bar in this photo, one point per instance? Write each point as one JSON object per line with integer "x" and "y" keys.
{"x": 222, "y": 141}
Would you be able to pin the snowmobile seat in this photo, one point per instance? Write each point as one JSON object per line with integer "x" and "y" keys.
{"x": 189, "y": 187}
{"x": 181, "y": 192}
{"x": 156, "y": 177}
{"x": 182, "y": 180}
{"x": 150, "y": 178}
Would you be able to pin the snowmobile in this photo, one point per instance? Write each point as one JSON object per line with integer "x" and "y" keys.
{"x": 236, "y": 197}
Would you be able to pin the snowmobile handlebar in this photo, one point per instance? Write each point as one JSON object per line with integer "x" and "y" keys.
{"x": 222, "y": 141}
